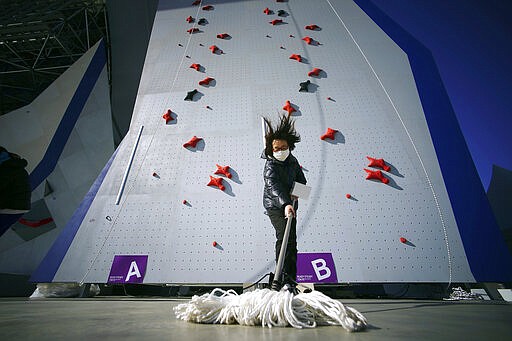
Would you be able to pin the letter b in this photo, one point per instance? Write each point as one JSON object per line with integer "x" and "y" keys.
{"x": 321, "y": 270}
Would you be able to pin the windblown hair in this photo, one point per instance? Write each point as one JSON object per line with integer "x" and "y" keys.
{"x": 284, "y": 131}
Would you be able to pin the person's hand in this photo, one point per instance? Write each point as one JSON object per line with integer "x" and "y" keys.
{"x": 289, "y": 211}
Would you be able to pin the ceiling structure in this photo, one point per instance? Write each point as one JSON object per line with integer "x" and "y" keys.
{"x": 39, "y": 40}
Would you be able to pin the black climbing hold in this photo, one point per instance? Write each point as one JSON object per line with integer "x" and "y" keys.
{"x": 190, "y": 95}
{"x": 304, "y": 86}
{"x": 202, "y": 21}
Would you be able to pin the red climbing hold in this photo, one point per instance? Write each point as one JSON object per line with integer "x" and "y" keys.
{"x": 192, "y": 142}
{"x": 206, "y": 81}
{"x": 184, "y": 202}
{"x": 217, "y": 182}
{"x": 275, "y": 21}
{"x": 223, "y": 35}
{"x": 167, "y": 116}
{"x": 197, "y": 67}
{"x": 214, "y": 244}
{"x": 297, "y": 57}
{"x": 223, "y": 170}
{"x": 403, "y": 240}
{"x": 207, "y": 8}
{"x": 348, "y": 196}
{"x": 193, "y": 30}
{"x": 288, "y": 107}
{"x": 190, "y": 19}
{"x": 377, "y": 175}
{"x": 214, "y": 49}
{"x": 267, "y": 11}
{"x": 312, "y": 27}
{"x": 308, "y": 40}
{"x": 380, "y": 163}
{"x": 329, "y": 134}
{"x": 154, "y": 174}
{"x": 196, "y": 3}
{"x": 315, "y": 72}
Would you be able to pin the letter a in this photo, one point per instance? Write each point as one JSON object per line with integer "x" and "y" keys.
{"x": 320, "y": 265}
{"x": 134, "y": 270}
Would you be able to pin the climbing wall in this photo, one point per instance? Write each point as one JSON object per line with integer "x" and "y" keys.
{"x": 378, "y": 203}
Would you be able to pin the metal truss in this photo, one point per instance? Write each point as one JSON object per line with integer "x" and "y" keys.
{"x": 39, "y": 40}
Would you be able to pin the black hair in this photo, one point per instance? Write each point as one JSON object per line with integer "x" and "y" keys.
{"x": 284, "y": 131}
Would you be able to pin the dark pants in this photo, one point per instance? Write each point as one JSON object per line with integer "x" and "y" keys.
{"x": 278, "y": 220}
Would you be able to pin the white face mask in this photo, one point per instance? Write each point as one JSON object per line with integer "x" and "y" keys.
{"x": 282, "y": 154}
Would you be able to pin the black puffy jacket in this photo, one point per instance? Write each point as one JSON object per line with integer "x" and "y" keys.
{"x": 279, "y": 177}
{"x": 15, "y": 187}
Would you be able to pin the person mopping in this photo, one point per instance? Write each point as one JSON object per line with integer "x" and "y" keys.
{"x": 276, "y": 307}
{"x": 281, "y": 171}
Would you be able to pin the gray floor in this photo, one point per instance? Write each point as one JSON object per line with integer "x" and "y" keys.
{"x": 152, "y": 319}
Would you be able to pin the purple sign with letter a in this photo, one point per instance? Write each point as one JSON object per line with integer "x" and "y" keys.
{"x": 128, "y": 269}
{"x": 316, "y": 268}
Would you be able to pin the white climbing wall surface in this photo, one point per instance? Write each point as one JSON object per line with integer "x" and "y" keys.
{"x": 404, "y": 230}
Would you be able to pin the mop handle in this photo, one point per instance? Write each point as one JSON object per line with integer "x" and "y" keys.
{"x": 282, "y": 252}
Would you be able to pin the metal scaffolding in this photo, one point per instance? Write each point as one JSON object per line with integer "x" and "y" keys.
{"x": 40, "y": 39}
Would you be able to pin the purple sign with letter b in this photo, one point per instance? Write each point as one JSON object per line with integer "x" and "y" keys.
{"x": 128, "y": 269}
{"x": 316, "y": 268}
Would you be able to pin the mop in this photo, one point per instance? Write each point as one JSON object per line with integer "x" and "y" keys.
{"x": 271, "y": 308}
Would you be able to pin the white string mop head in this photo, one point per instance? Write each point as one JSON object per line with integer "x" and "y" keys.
{"x": 270, "y": 308}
